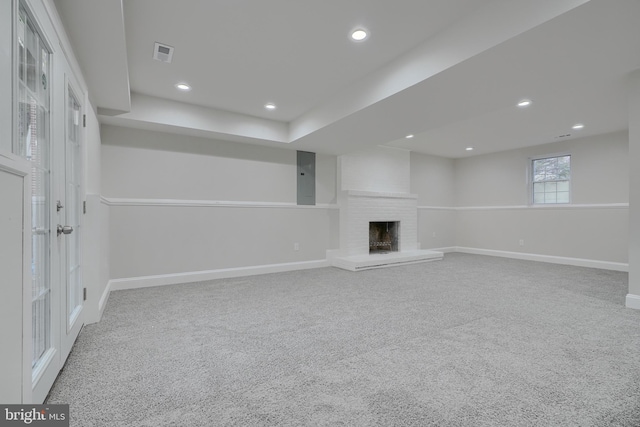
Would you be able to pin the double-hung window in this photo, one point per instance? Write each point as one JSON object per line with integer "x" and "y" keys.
{"x": 551, "y": 180}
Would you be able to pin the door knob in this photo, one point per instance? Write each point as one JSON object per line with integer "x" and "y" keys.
{"x": 67, "y": 229}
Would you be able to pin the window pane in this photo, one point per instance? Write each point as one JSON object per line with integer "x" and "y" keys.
{"x": 550, "y": 198}
{"x": 550, "y": 187}
{"x": 539, "y": 169}
{"x": 538, "y": 187}
{"x": 563, "y": 197}
{"x": 538, "y": 198}
{"x": 563, "y": 186}
{"x": 563, "y": 167}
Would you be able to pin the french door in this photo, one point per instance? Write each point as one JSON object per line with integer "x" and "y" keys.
{"x": 49, "y": 134}
{"x": 34, "y": 143}
{"x": 69, "y": 228}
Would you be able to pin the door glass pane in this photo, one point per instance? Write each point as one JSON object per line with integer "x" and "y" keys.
{"x": 31, "y": 58}
{"x": 23, "y": 121}
{"x": 40, "y": 326}
{"x": 43, "y": 81}
{"x": 22, "y": 31}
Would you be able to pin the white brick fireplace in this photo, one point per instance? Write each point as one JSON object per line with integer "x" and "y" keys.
{"x": 375, "y": 188}
{"x": 358, "y": 208}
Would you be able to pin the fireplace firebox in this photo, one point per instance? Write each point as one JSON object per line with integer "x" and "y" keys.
{"x": 383, "y": 236}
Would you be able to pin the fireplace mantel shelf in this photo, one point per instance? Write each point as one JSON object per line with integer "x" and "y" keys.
{"x": 357, "y": 193}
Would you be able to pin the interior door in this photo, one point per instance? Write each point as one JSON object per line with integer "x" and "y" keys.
{"x": 34, "y": 143}
{"x": 69, "y": 229}
{"x": 49, "y": 133}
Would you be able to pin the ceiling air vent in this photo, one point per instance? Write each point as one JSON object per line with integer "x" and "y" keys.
{"x": 162, "y": 52}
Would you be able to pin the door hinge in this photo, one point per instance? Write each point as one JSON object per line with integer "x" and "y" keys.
{"x": 84, "y": 294}
{"x": 84, "y": 120}
{"x": 84, "y": 207}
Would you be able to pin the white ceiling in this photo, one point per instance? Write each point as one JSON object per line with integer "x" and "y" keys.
{"x": 239, "y": 55}
{"x": 448, "y": 71}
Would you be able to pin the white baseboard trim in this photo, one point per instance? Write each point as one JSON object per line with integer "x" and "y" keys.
{"x": 578, "y": 262}
{"x": 445, "y": 250}
{"x": 103, "y": 300}
{"x": 223, "y": 273}
{"x": 633, "y": 301}
{"x": 332, "y": 254}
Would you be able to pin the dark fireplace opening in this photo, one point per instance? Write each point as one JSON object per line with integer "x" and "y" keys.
{"x": 383, "y": 237}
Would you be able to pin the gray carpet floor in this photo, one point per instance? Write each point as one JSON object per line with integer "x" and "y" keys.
{"x": 467, "y": 341}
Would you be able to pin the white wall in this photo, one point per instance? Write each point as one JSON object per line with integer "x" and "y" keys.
{"x": 165, "y": 239}
{"x": 146, "y": 164}
{"x": 379, "y": 169}
{"x": 492, "y": 210}
{"x": 599, "y": 172}
{"x": 432, "y": 179}
{"x": 180, "y": 204}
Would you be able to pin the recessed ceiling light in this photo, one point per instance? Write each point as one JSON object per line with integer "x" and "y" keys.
{"x": 270, "y": 106}
{"x": 524, "y": 103}
{"x": 469, "y": 148}
{"x": 359, "y": 35}
{"x": 578, "y": 126}
{"x": 409, "y": 136}
{"x": 183, "y": 86}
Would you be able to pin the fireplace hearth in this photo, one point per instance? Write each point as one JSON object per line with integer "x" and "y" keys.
{"x": 383, "y": 237}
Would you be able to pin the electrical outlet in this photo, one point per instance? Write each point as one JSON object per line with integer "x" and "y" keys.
{"x": 521, "y": 242}
{"x": 296, "y": 246}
